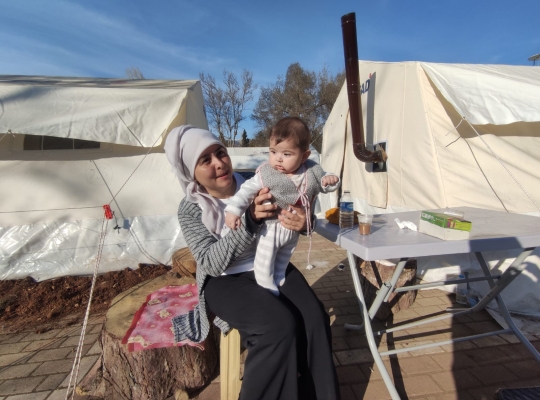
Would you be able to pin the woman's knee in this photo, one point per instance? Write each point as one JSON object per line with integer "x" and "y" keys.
{"x": 283, "y": 327}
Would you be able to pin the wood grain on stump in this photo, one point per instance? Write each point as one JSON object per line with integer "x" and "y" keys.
{"x": 373, "y": 274}
{"x": 148, "y": 374}
{"x": 184, "y": 263}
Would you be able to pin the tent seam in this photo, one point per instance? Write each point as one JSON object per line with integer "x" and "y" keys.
{"x": 433, "y": 143}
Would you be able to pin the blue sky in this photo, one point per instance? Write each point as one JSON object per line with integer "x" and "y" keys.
{"x": 175, "y": 39}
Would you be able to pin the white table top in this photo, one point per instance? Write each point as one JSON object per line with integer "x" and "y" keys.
{"x": 491, "y": 230}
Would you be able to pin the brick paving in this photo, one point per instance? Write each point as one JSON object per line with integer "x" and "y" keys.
{"x": 37, "y": 366}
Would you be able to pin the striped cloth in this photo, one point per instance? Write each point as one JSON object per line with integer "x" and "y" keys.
{"x": 213, "y": 256}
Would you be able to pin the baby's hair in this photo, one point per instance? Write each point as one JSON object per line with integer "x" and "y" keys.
{"x": 292, "y": 128}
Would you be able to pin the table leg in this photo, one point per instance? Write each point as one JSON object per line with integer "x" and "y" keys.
{"x": 496, "y": 288}
{"x": 368, "y": 329}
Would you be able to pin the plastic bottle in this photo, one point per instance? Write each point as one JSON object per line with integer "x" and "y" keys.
{"x": 346, "y": 210}
{"x": 461, "y": 291}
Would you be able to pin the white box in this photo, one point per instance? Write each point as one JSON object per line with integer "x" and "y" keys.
{"x": 442, "y": 233}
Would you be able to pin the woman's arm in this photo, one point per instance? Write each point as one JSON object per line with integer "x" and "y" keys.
{"x": 213, "y": 255}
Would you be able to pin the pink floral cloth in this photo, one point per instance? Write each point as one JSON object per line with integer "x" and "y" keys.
{"x": 151, "y": 327}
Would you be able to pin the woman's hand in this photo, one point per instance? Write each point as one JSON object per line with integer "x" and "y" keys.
{"x": 295, "y": 220}
{"x": 258, "y": 209}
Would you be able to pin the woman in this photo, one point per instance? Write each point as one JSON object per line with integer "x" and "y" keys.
{"x": 288, "y": 337}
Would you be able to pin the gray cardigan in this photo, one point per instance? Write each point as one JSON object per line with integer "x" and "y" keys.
{"x": 213, "y": 256}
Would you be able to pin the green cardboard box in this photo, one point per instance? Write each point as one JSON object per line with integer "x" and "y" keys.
{"x": 444, "y": 226}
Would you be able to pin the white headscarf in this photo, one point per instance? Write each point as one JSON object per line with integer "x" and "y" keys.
{"x": 183, "y": 147}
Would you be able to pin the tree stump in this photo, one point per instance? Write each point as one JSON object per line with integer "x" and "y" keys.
{"x": 149, "y": 374}
{"x": 373, "y": 274}
{"x": 184, "y": 263}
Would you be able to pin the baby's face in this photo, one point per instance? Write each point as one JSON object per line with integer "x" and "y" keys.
{"x": 286, "y": 156}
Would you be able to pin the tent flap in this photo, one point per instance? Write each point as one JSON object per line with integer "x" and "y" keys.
{"x": 489, "y": 94}
{"x": 135, "y": 113}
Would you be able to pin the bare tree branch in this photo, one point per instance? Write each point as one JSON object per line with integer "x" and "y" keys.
{"x": 226, "y": 105}
{"x": 300, "y": 93}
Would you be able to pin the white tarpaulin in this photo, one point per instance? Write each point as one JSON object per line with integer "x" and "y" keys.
{"x": 455, "y": 135}
{"x": 133, "y": 112}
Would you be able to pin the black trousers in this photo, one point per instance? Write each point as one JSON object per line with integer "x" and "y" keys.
{"x": 288, "y": 337}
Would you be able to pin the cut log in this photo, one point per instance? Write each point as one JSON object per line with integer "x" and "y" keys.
{"x": 373, "y": 274}
{"x": 184, "y": 263}
{"x": 148, "y": 374}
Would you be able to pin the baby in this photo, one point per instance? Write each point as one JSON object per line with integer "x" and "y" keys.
{"x": 292, "y": 179}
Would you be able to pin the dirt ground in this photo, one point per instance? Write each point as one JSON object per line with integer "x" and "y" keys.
{"x": 29, "y": 305}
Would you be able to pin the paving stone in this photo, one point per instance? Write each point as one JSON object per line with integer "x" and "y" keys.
{"x": 339, "y": 344}
{"x": 430, "y": 293}
{"x": 488, "y": 355}
{"x": 86, "y": 364}
{"x": 372, "y": 390}
{"x": 419, "y": 365}
{"x": 350, "y": 374}
{"x": 12, "y": 338}
{"x": 30, "y": 396}
{"x": 32, "y": 337}
{"x": 427, "y": 311}
{"x": 454, "y": 360}
{"x": 459, "y": 346}
{"x": 484, "y": 326}
{"x": 8, "y": 359}
{"x": 18, "y": 371}
{"x": 51, "y": 354}
{"x": 372, "y": 372}
{"x": 452, "y": 396}
{"x": 41, "y": 344}
{"x": 491, "y": 374}
{"x": 515, "y": 352}
{"x": 489, "y": 341}
{"x": 53, "y": 367}
{"x": 97, "y": 328}
{"x": 58, "y": 394}
{"x": 430, "y": 301}
{"x": 483, "y": 392}
{"x": 525, "y": 369}
{"x": 357, "y": 356}
{"x": 52, "y": 382}
{"x": 95, "y": 349}
{"x": 510, "y": 338}
{"x": 460, "y": 379}
{"x": 405, "y": 315}
{"x": 12, "y": 348}
{"x": 420, "y": 385}
{"x": 18, "y": 386}
{"x": 73, "y": 341}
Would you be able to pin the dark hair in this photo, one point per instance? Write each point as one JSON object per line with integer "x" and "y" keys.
{"x": 292, "y": 128}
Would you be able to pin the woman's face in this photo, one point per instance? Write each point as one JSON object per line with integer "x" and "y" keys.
{"x": 214, "y": 171}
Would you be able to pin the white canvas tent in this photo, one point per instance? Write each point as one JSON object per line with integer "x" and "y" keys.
{"x": 455, "y": 135}
{"x": 51, "y": 209}
{"x": 51, "y": 206}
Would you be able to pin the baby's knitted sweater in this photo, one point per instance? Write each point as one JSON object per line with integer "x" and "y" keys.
{"x": 282, "y": 188}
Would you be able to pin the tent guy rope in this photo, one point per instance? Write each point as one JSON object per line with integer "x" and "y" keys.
{"x": 78, "y": 354}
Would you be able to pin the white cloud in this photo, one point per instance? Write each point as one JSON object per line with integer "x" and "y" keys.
{"x": 62, "y": 36}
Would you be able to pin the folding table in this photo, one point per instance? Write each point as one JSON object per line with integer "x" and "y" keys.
{"x": 491, "y": 230}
